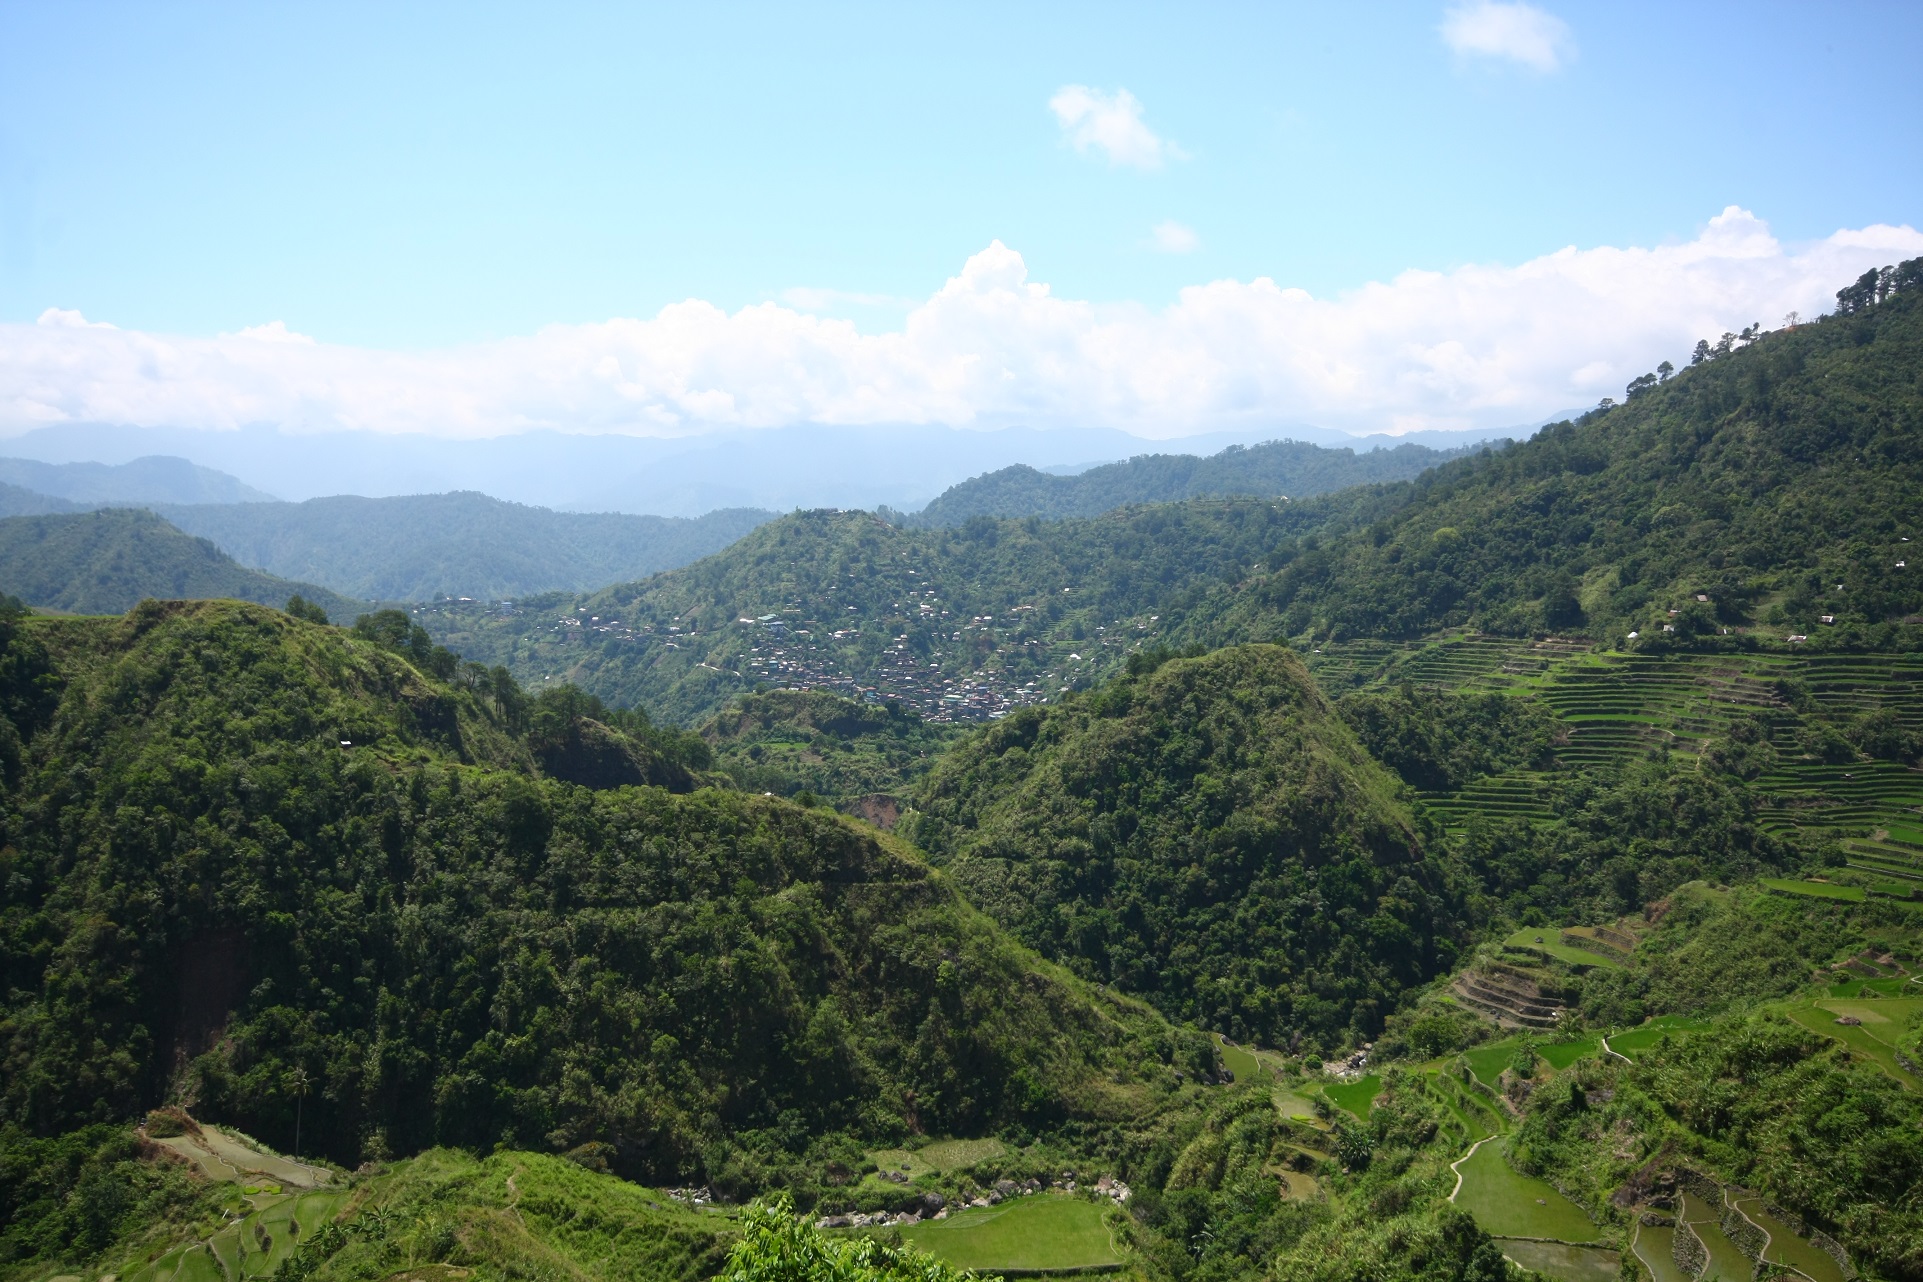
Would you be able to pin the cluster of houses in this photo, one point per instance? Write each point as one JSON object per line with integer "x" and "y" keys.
{"x": 787, "y": 652}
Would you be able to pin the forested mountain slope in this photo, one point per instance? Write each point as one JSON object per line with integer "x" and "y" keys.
{"x": 858, "y": 757}
{"x": 210, "y": 892}
{"x": 1274, "y": 468}
{"x": 103, "y": 562}
{"x": 18, "y": 501}
{"x": 1765, "y": 487}
{"x": 953, "y": 624}
{"x": 1758, "y": 480}
{"x": 423, "y": 546}
{"x": 1207, "y": 833}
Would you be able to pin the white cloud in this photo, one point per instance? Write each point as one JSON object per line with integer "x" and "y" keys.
{"x": 1483, "y": 345}
{"x": 1172, "y": 237}
{"x": 68, "y": 318}
{"x": 1112, "y": 124}
{"x": 273, "y": 332}
{"x": 810, "y": 299}
{"x": 1519, "y": 32}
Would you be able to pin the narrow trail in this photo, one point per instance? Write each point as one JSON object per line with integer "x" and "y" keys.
{"x": 1456, "y": 1165}
{"x": 1610, "y": 1050}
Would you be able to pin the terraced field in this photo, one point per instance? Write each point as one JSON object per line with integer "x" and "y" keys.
{"x": 1617, "y": 704}
{"x": 1047, "y": 1233}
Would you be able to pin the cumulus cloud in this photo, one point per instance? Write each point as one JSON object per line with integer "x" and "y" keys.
{"x": 1478, "y": 346}
{"x": 1517, "y": 32}
{"x": 68, "y": 318}
{"x": 1172, "y": 237}
{"x": 273, "y": 332}
{"x": 809, "y": 298}
{"x": 1110, "y": 123}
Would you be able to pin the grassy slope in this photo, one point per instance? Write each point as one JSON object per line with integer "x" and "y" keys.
{"x": 103, "y": 562}
{"x": 1209, "y": 834}
{"x": 703, "y": 985}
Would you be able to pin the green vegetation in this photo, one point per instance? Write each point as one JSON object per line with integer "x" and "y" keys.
{"x": 442, "y": 1215}
{"x": 1024, "y": 1235}
{"x": 776, "y": 1247}
{"x": 1020, "y": 608}
{"x": 424, "y": 546}
{"x": 74, "y": 1195}
{"x": 857, "y": 757}
{"x": 1290, "y": 469}
{"x": 1758, "y": 481}
{"x": 1440, "y": 739}
{"x": 451, "y": 948}
{"x": 1626, "y": 931}
{"x": 1206, "y": 833}
{"x": 1355, "y": 1096}
{"x": 1508, "y": 1204}
{"x": 1638, "y": 1041}
{"x": 104, "y": 562}
{"x": 1814, "y": 889}
{"x": 1547, "y": 940}
{"x": 1761, "y": 1100}
{"x": 15, "y": 501}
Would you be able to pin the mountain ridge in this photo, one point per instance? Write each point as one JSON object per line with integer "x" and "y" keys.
{"x": 1285, "y": 468}
{"x": 418, "y": 547}
{"x": 107, "y": 560}
{"x": 154, "y": 478}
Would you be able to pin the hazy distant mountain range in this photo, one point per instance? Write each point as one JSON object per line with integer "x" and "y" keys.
{"x": 1273, "y": 468}
{"x": 778, "y": 469}
{"x": 149, "y": 479}
{"x": 424, "y": 546}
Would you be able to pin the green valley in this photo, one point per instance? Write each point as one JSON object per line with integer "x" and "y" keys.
{"x": 1514, "y": 871}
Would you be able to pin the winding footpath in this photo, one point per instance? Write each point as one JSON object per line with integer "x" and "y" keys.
{"x": 1456, "y": 1165}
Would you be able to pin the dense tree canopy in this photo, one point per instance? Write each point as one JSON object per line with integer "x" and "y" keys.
{"x": 1207, "y": 833}
{"x": 244, "y": 846}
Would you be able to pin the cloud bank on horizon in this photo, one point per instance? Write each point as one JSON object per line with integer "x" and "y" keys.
{"x": 1478, "y": 346}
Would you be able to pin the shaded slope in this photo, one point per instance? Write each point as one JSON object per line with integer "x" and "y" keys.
{"x": 1209, "y": 835}
{"x": 1293, "y": 469}
{"x": 205, "y": 893}
{"x": 103, "y": 562}
{"x": 422, "y": 546}
{"x": 18, "y": 501}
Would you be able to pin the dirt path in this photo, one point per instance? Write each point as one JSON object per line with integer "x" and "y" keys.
{"x": 1456, "y": 1165}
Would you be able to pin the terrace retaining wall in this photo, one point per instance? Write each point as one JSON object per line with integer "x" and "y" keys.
{"x": 1687, "y": 1249}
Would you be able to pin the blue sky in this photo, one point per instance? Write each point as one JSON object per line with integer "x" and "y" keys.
{"x": 423, "y": 177}
{"x": 418, "y": 174}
